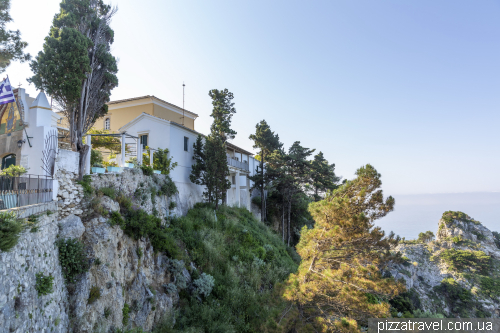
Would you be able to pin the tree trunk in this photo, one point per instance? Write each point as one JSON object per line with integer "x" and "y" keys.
{"x": 289, "y": 216}
{"x": 263, "y": 199}
{"x": 81, "y": 162}
{"x": 283, "y": 219}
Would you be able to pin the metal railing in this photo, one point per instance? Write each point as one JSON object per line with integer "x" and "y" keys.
{"x": 237, "y": 164}
{"x": 24, "y": 190}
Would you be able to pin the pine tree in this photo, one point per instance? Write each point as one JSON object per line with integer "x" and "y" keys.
{"x": 339, "y": 282}
{"x": 323, "y": 178}
{"x": 267, "y": 142}
{"x": 296, "y": 175}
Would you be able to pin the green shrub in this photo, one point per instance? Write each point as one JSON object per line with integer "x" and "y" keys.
{"x": 162, "y": 162}
{"x": 116, "y": 219}
{"x": 147, "y": 170}
{"x": 10, "y": 231}
{"x": 125, "y": 312}
{"x": 124, "y": 201}
{"x": 204, "y": 284}
{"x": 408, "y": 301}
{"x": 44, "y": 284}
{"x": 496, "y": 237}
{"x": 72, "y": 258}
{"x": 95, "y": 294}
{"x": 461, "y": 260}
{"x": 108, "y": 191}
{"x": 138, "y": 251}
{"x": 459, "y": 299}
{"x": 449, "y": 216}
{"x": 168, "y": 187}
{"x": 490, "y": 286}
{"x": 86, "y": 184}
{"x": 32, "y": 223}
{"x": 96, "y": 157}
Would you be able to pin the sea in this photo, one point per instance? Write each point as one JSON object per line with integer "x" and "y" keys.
{"x": 421, "y": 212}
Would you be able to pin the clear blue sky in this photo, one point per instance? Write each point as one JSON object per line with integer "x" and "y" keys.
{"x": 412, "y": 87}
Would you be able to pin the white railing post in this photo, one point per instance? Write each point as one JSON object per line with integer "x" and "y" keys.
{"x": 88, "y": 141}
{"x": 123, "y": 150}
{"x": 139, "y": 152}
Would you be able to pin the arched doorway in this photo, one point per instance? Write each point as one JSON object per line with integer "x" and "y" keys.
{"x": 8, "y": 160}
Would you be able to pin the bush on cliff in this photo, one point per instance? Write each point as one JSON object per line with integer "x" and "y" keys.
{"x": 10, "y": 230}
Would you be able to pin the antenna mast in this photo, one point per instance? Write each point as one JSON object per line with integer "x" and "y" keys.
{"x": 183, "y": 85}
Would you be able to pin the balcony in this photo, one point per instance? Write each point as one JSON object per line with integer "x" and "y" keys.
{"x": 237, "y": 164}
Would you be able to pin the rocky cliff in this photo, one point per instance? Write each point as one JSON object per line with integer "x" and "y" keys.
{"x": 458, "y": 273}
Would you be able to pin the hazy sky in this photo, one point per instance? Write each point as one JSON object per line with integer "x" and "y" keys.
{"x": 412, "y": 87}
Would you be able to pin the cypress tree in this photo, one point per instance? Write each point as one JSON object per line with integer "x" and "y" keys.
{"x": 76, "y": 66}
{"x": 339, "y": 282}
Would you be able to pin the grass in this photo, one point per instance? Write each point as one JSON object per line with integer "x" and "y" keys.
{"x": 248, "y": 262}
{"x": 109, "y": 192}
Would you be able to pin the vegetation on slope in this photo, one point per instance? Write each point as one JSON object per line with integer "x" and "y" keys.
{"x": 245, "y": 258}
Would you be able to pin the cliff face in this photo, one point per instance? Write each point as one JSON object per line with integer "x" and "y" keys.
{"x": 122, "y": 277}
{"x": 458, "y": 274}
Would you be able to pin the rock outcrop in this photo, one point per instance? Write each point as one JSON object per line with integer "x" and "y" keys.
{"x": 426, "y": 266}
{"x": 125, "y": 272}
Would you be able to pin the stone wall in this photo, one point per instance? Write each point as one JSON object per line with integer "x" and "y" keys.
{"x": 26, "y": 211}
{"x": 69, "y": 194}
{"x": 21, "y": 309}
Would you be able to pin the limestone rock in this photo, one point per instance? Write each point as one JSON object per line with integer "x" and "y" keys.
{"x": 109, "y": 204}
{"x": 71, "y": 227}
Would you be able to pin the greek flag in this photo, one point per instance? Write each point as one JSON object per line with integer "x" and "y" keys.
{"x": 6, "y": 94}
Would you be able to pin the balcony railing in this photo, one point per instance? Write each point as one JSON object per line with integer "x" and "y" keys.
{"x": 237, "y": 164}
{"x": 24, "y": 190}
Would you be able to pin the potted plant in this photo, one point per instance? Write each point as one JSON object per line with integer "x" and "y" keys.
{"x": 98, "y": 168}
{"x": 112, "y": 167}
{"x": 131, "y": 163}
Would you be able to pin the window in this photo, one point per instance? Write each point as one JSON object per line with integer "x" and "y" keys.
{"x": 234, "y": 179}
{"x": 186, "y": 141}
{"x": 8, "y": 161}
{"x": 144, "y": 141}
{"x": 107, "y": 124}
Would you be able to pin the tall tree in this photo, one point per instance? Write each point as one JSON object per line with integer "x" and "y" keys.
{"x": 323, "y": 176}
{"x": 199, "y": 174}
{"x": 11, "y": 45}
{"x": 210, "y": 167}
{"x": 223, "y": 110}
{"x": 342, "y": 257}
{"x": 296, "y": 176}
{"x": 76, "y": 67}
{"x": 265, "y": 140}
